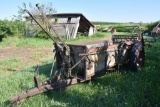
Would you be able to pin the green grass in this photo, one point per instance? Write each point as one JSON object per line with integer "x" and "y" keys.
{"x": 96, "y": 36}
{"x": 120, "y": 88}
{"x": 36, "y": 42}
{"x": 25, "y": 42}
{"x": 10, "y": 64}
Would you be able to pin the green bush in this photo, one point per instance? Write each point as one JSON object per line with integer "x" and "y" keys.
{"x": 4, "y": 29}
{"x": 122, "y": 29}
{"x": 42, "y": 35}
{"x": 11, "y": 28}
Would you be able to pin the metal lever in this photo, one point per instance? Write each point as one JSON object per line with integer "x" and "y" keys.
{"x": 36, "y": 79}
{"x": 41, "y": 27}
{"x": 52, "y": 27}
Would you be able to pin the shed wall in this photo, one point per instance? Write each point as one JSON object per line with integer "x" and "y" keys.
{"x": 65, "y": 25}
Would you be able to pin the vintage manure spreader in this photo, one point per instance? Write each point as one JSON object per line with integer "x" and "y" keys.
{"x": 156, "y": 30}
{"x": 81, "y": 62}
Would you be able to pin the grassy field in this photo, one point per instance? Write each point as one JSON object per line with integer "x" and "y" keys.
{"x": 116, "y": 24}
{"x": 116, "y": 89}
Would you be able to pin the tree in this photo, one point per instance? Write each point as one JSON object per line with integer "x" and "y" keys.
{"x": 47, "y": 9}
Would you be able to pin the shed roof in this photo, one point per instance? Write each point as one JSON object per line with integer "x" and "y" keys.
{"x": 70, "y": 14}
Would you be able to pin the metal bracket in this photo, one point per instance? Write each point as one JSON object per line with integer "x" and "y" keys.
{"x": 36, "y": 79}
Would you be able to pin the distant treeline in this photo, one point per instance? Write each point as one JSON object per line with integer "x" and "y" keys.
{"x": 17, "y": 27}
{"x": 106, "y": 23}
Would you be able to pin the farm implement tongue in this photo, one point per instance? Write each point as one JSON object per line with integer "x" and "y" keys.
{"x": 41, "y": 87}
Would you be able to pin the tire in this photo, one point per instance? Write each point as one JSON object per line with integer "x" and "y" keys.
{"x": 136, "y": 57}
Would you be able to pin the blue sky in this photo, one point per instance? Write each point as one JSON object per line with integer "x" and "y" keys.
{"x": 95, "y": 10}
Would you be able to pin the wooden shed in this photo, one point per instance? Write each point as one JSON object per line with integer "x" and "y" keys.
{"x": 68, "y": 24}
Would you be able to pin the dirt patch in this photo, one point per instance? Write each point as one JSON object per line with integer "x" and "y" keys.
{"x": 9, "y": 52}
{"x": 25, "y": 53}
{"x": 29, "y": 57}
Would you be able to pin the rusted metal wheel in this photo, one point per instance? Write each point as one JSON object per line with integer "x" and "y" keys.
{"x": 136, "y": 58}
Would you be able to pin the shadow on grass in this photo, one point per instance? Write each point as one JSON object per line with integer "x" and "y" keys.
{"x": 120, "y": 88}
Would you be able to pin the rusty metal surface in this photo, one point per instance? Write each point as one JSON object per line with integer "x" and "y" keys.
{"x": 43, "y": 88}
{"x": 156, "y": 30}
